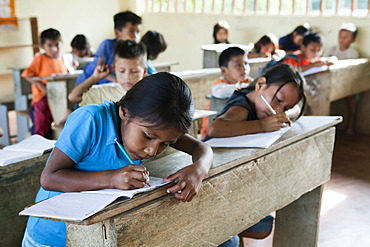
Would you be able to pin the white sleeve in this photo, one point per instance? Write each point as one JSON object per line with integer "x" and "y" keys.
{"x": 223, "y": 90}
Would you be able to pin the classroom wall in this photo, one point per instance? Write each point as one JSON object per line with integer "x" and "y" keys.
{"x": 93, "y": 18}
{"x": 186, "y": 33}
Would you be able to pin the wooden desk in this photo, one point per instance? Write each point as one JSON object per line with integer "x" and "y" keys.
{"x": 164, "y": 66}
{"x": 343, "y": 79}
{"x": 212, "y": 52}
{"x": 19, "y": 183}
{"x": 243, "y": 186}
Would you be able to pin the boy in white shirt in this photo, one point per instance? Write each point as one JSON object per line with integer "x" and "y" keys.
{"x": 347, "y": 35}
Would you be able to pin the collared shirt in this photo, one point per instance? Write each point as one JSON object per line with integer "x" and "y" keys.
{"x": 88, "y": 139}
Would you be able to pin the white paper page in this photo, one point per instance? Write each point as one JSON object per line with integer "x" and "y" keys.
{"x": 315, "y": 70}
{"x": 8, "y": 157}
{"x": 34, "y": 143}
{"x": 202, "y": 113}
{"x": 260, "y": 140}
{"x": 70, "y": 206}
{"x": 154, "y": 183}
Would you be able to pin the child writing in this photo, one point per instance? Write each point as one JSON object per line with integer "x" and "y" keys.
{"x": 266, "y": 46}
{"x": 129, "y": 66}
{"x": 155, "y": 44}
{"x": 221, "y": 32}
{"x": 44, "y": 64}
{"x": 86, "y": 157}
{"x": 81, "y": 53}
{"x": 347, "y": 35}
{"x": 235, "y": 74}
{"x": 246, "y": 113}
{"x": 126, "y": 27}
{"x": 292, "y": 41}
{"x": 308, "y": 56}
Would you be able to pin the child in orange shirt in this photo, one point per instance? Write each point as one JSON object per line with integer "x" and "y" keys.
{"x": 308, "y": 56}
{"x": 45, "y": 64}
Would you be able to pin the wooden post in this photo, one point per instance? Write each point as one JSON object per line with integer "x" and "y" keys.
{"x": 297, "y": 224}
{"x": 35, "y": 35}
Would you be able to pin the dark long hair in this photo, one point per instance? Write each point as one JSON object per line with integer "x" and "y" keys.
{"x": 282, "y": 74}
{"x": 162, "y": 100}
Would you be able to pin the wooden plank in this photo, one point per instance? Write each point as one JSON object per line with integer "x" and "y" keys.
{"x": 227, "y": 203}
{"x": 35, "y": 35}
{"x": 19, "y": 185}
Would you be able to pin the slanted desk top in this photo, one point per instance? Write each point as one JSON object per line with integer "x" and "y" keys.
{"x": 243, "y": 186}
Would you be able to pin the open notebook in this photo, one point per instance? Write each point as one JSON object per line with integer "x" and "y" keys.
{"x": 77, "y": 206}
{"x": 260, "y": 140}
{"x": 31, "y": 147}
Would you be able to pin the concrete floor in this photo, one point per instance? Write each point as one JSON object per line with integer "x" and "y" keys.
{"x": 345, "y": 214}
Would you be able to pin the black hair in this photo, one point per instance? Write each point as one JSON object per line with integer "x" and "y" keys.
{"x": 282, "y": 74}
{"x": 130, "y": 49}
{"x": 162, "y": 100}
{"x": 51, "y": 34}
{"x": 122, "y": 18}
{"x": 81, "y": 43}
{"x": 155, "y": 44}
{"x": 227, "y": 54}
{"x": 265, "y": 40}
{"x": 302, "y": 29}
{"x": 311, "y": 37}
{"x": 219, "y": 25}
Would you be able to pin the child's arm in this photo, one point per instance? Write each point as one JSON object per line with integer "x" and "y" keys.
{"x": 100, "y": 72}
{"x": 190, "y": 177}
{"x": 38, "y": 84}
{"x": 315, "y": 64}
{"x": 58, "y": 175}
{"x": 233, "y": 123}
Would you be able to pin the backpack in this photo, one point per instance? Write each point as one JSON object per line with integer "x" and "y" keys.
{"x": 275, "y": 62}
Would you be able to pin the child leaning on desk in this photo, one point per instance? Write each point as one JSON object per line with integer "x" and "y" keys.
{"x": 44, "y": 64}
{"x": 246, "y": 113}
{"x": 86, "y": 156}
{"x": 129, "y": 67}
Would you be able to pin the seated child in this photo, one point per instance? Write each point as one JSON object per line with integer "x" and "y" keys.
{"x": 221, "y": 32}
{"x": 126, "y": 27}
{"x": 155, "y": 44}
{"x": 129, "y": 65}
{"x": 292, "y": 41}
{"x": 235, "y": 74}
{"x": 81, "y": 54}
{"x": 266, "y": 46}
{"x": 246, "y": 113}
{"x": 86, "y": 157}
{"x": 307, "y": 57}
{"x": 44, "y": 64}
{"x": 347, "y": 35}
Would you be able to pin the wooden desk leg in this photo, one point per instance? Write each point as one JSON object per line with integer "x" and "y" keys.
{"x": 297, "y": 224}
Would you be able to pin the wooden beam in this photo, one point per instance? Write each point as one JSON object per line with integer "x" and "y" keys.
{"x": 35, "y": 35}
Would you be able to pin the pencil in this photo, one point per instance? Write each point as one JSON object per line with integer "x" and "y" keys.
{"x": 127, "y": 156}
{"x": 268, "y": 105}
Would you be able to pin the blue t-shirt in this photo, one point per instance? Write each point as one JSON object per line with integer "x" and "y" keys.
{"x": 287, "y": 44}
{"x": 88, "y": 139}
{"x": 105, "y": 52}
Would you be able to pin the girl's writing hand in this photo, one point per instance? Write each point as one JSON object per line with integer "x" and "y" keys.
{"x": 189, "y": 182}
{"x": 101, "y": 71}
{"x": 275, "y": 122}
{"x": 130, "y": 177}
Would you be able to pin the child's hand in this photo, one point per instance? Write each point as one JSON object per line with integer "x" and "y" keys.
{"x": 42, "y": 86}
{"x": 275, "y": 122}
{"x": 100, "y": 72}
{"x": 130, "y": 177}
{"x": 188, "y": 184}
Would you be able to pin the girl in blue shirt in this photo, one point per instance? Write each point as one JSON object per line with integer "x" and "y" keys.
{"x": 154, "y": 114}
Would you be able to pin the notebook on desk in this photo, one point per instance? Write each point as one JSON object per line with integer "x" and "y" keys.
{"x": 260, "y": 140}
{"x": 29, "y": 148}
{"x": 77, "y": 206}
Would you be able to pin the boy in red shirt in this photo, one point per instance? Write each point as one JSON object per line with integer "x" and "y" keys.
{"x": 44, "y": 64}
